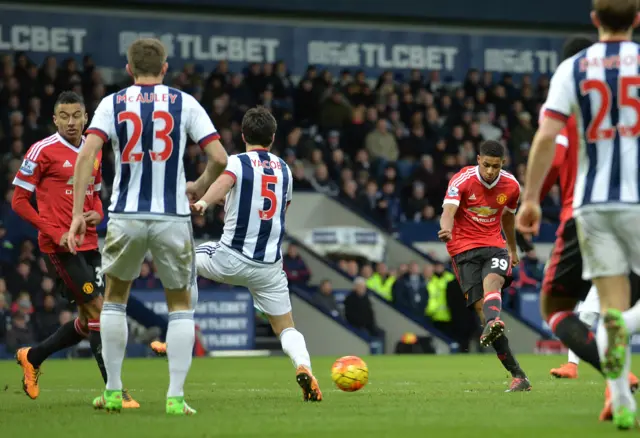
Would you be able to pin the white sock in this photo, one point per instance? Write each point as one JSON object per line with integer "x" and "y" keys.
{"x": 632, "y": 319}
{"x": 573, "y": 358}
{"x": 114, "y": 333}
{"x": 193, "y": 291}
{"x": 294, "y": 346}
{"x": 181, "y": 336}
{"x": 620, "y": 391}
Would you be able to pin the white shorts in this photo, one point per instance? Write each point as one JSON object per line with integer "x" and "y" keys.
{"x": 591, "y": 303}
{"x": 267, "y": 282}
{"x": 609, "y": 242}
{"x": 169, "y": 242}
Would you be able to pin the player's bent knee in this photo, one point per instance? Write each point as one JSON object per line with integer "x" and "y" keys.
{"x": 493, "y": 282}
{"x": 280, "y": 322}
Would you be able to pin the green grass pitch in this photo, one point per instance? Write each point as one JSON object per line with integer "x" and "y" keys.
{"x": 407, "y": 396}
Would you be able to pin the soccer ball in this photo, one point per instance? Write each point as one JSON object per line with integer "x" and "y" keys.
{"x": 350, "y": 373}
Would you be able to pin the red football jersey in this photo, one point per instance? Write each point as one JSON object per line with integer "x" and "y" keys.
{"x": 47, "y": 169}
{"x": 477, "y": 222}
{"x": 564, "y": 168}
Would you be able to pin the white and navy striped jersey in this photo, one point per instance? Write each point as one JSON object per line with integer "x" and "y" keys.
{"x": 148, "y": 127}
{"x": 255, "y": 206}
{"x": 600, "y": 86}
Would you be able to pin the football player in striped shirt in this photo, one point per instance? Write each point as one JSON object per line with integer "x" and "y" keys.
{"x": 257, "y": 188}
{"x": 599, "y": 86}
{"x": 147, "y": 125}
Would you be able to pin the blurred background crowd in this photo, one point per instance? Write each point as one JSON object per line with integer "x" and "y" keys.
{"x": 386, "y": 148}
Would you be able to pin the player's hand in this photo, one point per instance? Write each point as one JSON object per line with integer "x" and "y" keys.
{"x": 444, "y": 235}
{"x": 199, "y": 207}
{"x": 515, "y": 258}
{"x": 192, "y": 192}
{"x": 64, "y": 241}
{"x": 92, "y": 218}
{"x": 77, "y": 230}
{"x": 529, "y": 217}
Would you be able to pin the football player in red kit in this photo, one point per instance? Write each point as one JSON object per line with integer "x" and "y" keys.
{"x": 480, "y": 202}
{"x": 47, "y": 170}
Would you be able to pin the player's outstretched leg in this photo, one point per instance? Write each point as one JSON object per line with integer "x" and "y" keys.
{"x": 30, "y": 358}
{"x": 492, "y": 308}
{"x": 294, "y": 346}
{"x": 520, "y": 381}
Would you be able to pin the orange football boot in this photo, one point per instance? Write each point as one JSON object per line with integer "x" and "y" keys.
{"x": 30, "y": 373}
{"x": 566, "y": 371}
{"x": 128, "y": 402}
{"x": 160, "y": 348}
{"x": 309, "y": 384}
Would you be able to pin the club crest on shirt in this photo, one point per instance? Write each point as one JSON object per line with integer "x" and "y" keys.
{"x": 453, "y": 192}
{"x": 502, "y": 198}
{"x": 28, "y": 167}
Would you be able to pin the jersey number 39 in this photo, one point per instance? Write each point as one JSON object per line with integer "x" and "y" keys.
{"x": 163, "y": 135}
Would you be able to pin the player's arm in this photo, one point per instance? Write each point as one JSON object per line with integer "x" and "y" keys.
{"x": 449, "y": 208}
{"x": 561, "y": 99}
{"x": 509, "y": 225}
{"x": 220, "y": 187}
{"x": 21, "y": 204}
{"x": 201, "y": 129}
{"x": 562, "y": 143}
{"x": 216, "y": 193}
{"x": 95, "y": 216}
{"x": 97, "y": 135}
{"x": 25, "y": 182}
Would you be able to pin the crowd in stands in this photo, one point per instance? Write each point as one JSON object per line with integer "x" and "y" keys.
{"x": 386, "y": 149}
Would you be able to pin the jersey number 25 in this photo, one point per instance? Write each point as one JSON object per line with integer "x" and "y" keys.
{"x": 595, "y": 131}
{"x": 163, "y": 135}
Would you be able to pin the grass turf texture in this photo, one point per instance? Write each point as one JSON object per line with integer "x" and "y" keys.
{"x": 407, "y": 396}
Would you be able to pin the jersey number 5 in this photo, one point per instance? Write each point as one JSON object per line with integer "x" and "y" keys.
{"x": 128, "y": 156}
{"x": 626, "y": 84}
{"x": 269, "y": 193}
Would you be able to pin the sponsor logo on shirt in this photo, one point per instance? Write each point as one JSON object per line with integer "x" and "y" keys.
{"x": 483, "y": 211}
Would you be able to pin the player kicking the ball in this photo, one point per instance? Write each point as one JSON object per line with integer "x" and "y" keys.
{"x": 257, "y": 187}
{"x": 48, "y": 170}
{"x": 147, "y": 125}
{"x": 480, "y": 202}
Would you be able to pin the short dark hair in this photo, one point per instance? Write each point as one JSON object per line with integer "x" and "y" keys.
{"x": 575, "y": 45}
{"x": 491, "y": 148}
{"x": 68, "y": 97}
{"x": 616, "y": 15}
{"x": 259, "y": 126}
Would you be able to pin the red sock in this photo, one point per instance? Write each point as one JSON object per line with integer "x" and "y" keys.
{"x": 492, "y": 305}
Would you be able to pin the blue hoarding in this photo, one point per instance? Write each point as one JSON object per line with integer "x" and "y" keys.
{"x": 205, "y": 41}
{"x": 226, "y": 318}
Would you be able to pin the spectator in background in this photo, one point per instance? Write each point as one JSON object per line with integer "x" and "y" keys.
{"x": 325, "y": 300}
{"x": 358, "y": 309}
{"x": 294, "y": 266}
{"x": 410, "y": 291}
{"x": 23, "y": 304}
{"x": 381, "y": 282}
{"x": 19, "y": 334}
{"x": 147, "y": 278}
{"x": 382, "y": 144}
{"x": 23, "y": 280}
{"x": 46, "y": 321}
{"x": 322, "y": 183}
